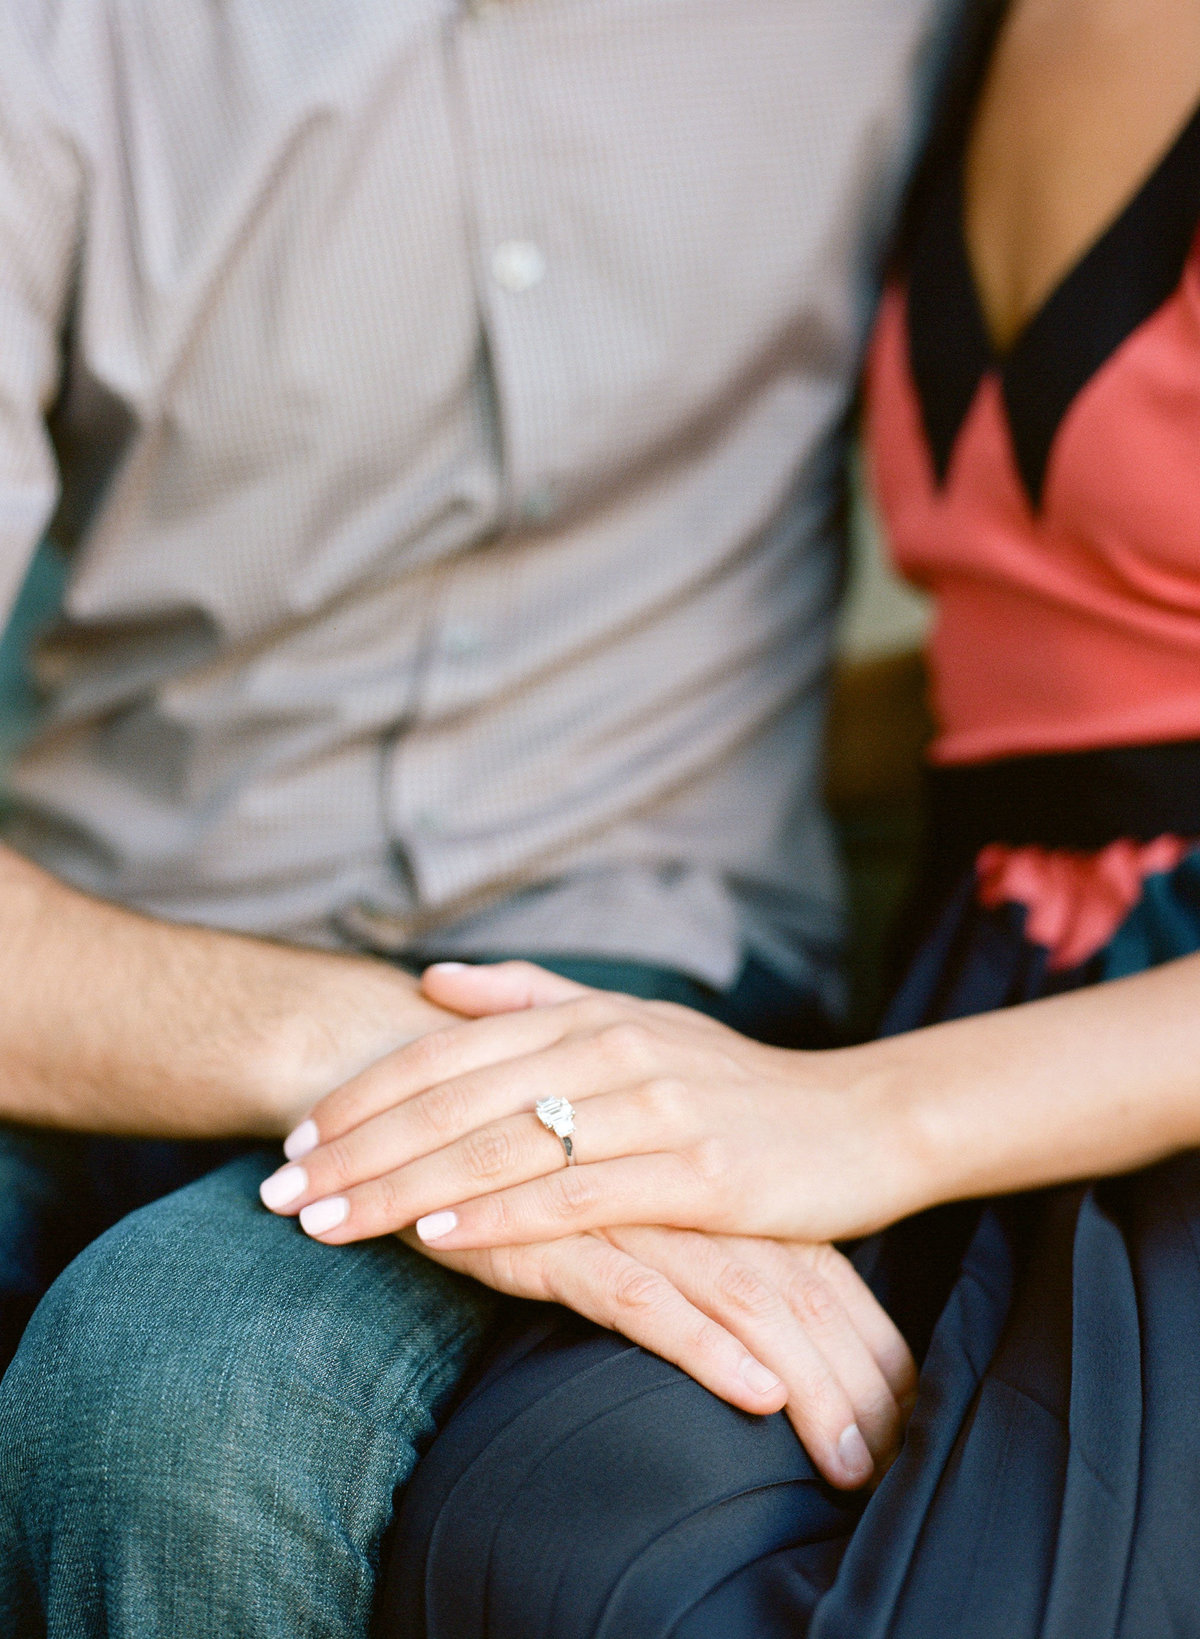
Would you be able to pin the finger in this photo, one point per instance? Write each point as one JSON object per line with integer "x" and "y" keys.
{"x": 873, "y": 1324}
{"x": 485, "y": 1161}
{"x": 497, "y": 987}
{"x": 661, "y": 1188}
{"x": 838, "y": 1400}
{"x": 794, "y": 1276}
{"x": 460, "y": 1114}
{"x": 605, "y": 1284}
{"x": 829, "y": 1327}
{"x": 843, "y": 1319}
{"x": 479, "y": 1133}
{"x": 437, "y": 1057}
{"x": 376, "y": 1197}
{"x": 517, "y": 1271}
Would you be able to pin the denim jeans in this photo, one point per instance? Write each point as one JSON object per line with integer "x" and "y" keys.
{"x": 209, "y": 1415}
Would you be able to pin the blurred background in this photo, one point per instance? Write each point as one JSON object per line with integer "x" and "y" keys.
{"x": 878, "y": 728}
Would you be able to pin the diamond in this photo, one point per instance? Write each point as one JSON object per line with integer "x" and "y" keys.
{"x": 557, "y": 1115}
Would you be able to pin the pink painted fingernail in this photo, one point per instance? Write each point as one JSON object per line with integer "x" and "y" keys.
{"x": 322, "y": 1215}
{"x": 854, "y": 1455}
{"x": 436, "y": 1224}
{"x": 282, "y": 1186}
{"x": 298, "y": 1142}
{"x": 756, "y": 1376}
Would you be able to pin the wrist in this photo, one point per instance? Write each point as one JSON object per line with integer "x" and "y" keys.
{"x": 338, "y": 1014}
{"x": 894, "y": 1108}
{"x": 184, "y": 1031}
{"x": 938, "y": 1103}
{"x": 847, "y": 1127}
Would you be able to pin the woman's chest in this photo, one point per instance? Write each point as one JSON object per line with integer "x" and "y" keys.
{"x": 1080, "y": 101}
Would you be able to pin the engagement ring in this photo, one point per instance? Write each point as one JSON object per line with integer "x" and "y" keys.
{"x": 558, "y": 1117}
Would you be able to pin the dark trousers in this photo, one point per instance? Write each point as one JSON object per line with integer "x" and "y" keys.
{"x": 1049, "y": 1484}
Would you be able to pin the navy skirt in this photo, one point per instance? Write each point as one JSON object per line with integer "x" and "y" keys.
{"x": 1049, "y": 1483}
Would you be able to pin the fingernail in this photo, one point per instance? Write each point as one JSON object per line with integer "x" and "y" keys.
{"x": 322, "y": 1215}
{"x": 436, "y": 1224}
{"x": 282, "y": 1186}
{"x": 756, "y": 1376}
{"x": 304, "y": 1138}
{"x": 854, "y": 1456}
{"x": 448, "y": 967}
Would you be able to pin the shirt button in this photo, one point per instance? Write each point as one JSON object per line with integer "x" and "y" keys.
{"x": 518, "y": 265}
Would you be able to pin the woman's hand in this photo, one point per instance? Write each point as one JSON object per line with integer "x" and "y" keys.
{"x": 680, "y": 1122}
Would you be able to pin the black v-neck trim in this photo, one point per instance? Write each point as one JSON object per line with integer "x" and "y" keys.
{"x": 1129, "y": 272}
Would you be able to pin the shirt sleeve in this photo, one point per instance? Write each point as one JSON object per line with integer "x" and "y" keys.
{"x": 41, "y": 192}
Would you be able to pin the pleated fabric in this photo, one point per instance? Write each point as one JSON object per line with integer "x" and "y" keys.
{"x": 1049, "y": 1484}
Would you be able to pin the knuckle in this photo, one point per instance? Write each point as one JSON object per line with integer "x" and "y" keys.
{"x": 708, "y": 1160}
{"x": 384, "y": 1203}
{"x": 512, "y": 1270}
{"x": 821, "y": 1402}
{"x": 487, "y": 1153}
{"x": 825, "y": 1260}
{"x": 338, "y": 1160}
{"x": 426, "y": 1053}
{"x": 494, "y": 1215}
{"x": 706, "y": 1340}
{"x": 443, "y": 1110}
{"x": 812, "y": 1301}
{"x": 573, "y": 1190}
{"x": 626, "y": 1044}
{"x": 743, "y": 1289}
{"x": 637, "y": 1289}
{"x": 664, "y": 1101}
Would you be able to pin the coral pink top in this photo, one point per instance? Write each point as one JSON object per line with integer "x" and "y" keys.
{"x": 1075, "y": 622}
{"x": 1049, "y": 499}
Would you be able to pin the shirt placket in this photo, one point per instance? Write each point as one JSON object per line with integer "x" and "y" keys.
{"x": 510, "y": 209}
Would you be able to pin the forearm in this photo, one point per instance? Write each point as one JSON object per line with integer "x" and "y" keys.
{"x": 114, "y": 1022}
{"x": 1099, "y": 1081}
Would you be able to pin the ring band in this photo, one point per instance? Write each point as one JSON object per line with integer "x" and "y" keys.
{"x": 558, "y": 1117}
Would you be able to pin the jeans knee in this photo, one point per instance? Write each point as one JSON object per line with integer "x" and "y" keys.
{"x": 207, "y": 1403}
{"x": 205, "y": 1348}
{"x": 131, "y": 1360}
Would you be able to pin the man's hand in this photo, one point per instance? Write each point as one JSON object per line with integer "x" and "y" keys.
{"x": 117, "y": 1023}
{"x": 766, "y": 1325}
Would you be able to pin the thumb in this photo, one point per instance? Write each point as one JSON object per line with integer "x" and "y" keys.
{"x": 501, "y": 987}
